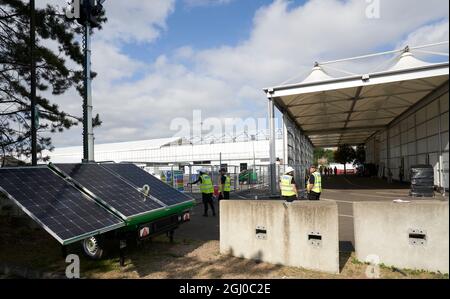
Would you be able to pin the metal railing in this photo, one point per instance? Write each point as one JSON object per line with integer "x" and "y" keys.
{"x": 256, "y": 177}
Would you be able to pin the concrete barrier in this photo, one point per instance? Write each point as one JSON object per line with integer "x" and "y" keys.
{"x": 303, "y": 234}
{"x": 405, "y": 235}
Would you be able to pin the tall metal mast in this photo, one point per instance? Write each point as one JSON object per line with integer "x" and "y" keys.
{"x": 91, "y": 9}
{"x": 88, "y": 133}
{"x": 34, "y": 114}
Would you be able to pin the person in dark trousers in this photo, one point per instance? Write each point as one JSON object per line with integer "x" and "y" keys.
{"x": 335, "y": 170}
{"x": 401, "y": 174}
{"x": 225, "y": 185}
{"x": 314, "y": 186}
{"x": 207, "y": 189}
{"x": 287, "y": 186}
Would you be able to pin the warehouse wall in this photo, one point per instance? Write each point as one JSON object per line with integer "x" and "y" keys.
{"x": 419, "y": 136}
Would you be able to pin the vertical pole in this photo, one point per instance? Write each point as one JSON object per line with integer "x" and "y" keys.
{"x": 122, "y": 248}
{"x": 64, "y": 251}
{"x": 190, "y": 176}
{"x": 173, "y": 177}
{"x": 285, "y": 142}
{"x": 388, "y": 153}
{"x": 236, "y": 178}
{"x": 273, "y": 180}
{"x": 33, "y": 83}
{"x": 88, "y": 135}
{"x": 253, "y": 137}
{"x": 441, "y": 184}
{"x": 415, "y": 139}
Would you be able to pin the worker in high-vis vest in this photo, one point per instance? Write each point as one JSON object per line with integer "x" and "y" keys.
{"x": 314, "y": 186}
{"x": 207, "y": 189}
{"x": 225, "y": 185}
{"x": 287, "y": 185}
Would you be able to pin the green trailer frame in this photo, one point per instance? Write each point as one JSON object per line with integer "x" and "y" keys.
{"x": 131, "y": 224}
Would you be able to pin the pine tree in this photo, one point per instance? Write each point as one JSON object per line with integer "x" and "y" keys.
{"x": 54, "y": 76}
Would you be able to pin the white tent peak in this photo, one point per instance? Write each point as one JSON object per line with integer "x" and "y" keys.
{"x": 408, "y": 61}
{"x": 317, "y": 74}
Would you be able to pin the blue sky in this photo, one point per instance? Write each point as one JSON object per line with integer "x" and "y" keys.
{"x": 159, "y": 61}
{"x": 207, "y": 26}
{"x": 201, "y": 27}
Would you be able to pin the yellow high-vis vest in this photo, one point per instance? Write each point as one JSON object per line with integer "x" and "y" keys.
{"x": 227, "y": 185}
{"x": 287, "y": 188}
{"x": 206, "y": 185}
{"x": 317, "y": 183}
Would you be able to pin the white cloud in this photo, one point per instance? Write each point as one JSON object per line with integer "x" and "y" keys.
{"x": 227, "y": 81}
{"x": 136, "y": 20}
{"x": 130, "y": 20}
{"x": 286, "y": 40}
{"x": 428, "y": 34}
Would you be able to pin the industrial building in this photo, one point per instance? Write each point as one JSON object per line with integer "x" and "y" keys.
{"x": 240, "y": 151}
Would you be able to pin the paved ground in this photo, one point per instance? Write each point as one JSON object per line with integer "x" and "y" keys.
{"x": 343, "y": 189}
{"x": 200, "y": 228}
{"x": 346, "y": 190}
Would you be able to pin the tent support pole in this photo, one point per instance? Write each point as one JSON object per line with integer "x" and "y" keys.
{"x": 273, "y": 179}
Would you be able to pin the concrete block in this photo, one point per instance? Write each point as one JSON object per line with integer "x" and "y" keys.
{"x": 303, "y": 234}
{"x": 411, "y": 235}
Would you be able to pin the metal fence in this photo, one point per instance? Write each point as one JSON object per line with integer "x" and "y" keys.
{"x": 255, "y": 177}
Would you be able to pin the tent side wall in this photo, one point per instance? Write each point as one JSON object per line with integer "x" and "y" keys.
{"x": 419, "y": 136}
{"x": 299, "y": 150}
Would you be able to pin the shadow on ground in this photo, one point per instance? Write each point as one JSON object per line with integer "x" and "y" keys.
{"x": 342, "y": 182}
{"x": 193, "y": 260}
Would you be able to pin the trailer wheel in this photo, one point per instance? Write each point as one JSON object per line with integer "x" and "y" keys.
{"x": 93, "y": 248}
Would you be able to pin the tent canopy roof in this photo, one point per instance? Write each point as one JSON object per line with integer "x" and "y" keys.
{"x": 334, "y": 111}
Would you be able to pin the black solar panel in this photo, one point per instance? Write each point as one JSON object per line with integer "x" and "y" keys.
{"x": 139, "y": 177}
{"x": 120, "y": 195}
{"x": 65, "y": 212}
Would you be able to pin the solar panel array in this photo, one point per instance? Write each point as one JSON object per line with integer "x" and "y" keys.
{"x": 64, "y": 211}
{"x": 114, "y": 191}
{"x": 139, "y": 177}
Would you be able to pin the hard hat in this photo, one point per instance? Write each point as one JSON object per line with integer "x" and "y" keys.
{"x": 289, "y": 169}
{"x": 202, "y": 170}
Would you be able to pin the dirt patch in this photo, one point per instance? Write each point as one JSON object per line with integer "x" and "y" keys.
{"x": 161, "y": 259}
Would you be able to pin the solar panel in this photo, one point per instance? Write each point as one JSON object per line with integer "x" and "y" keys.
{"x": 61, "y": 209}
{"x": 122, "y": 197}
{"x": 139, "y": 177}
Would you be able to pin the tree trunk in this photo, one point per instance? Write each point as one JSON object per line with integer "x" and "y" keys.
{"x": 4, "y": 156}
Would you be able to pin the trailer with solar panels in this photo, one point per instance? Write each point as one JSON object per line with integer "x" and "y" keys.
{"x": 92, "y": 202}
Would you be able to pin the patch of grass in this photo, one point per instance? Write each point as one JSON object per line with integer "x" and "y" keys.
{"x": 356, "y": 261}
